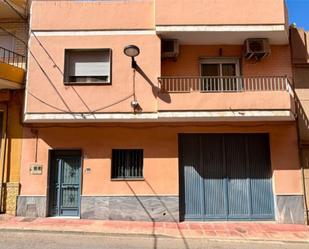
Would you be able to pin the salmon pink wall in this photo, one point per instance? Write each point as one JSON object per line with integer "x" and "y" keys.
{"x": 276, "y": 100}
{"x": 47, "y": 65}
{"x": 145, "y": 14}
{"x": 160, "y": 171}
{"x": 218, "y": 12}
{"x": 278, "y": 63}
{"x": 187, "y": 64}
{"x": 47, "y": 93}
{"x": 160, "y": 144}
{"x": 94, "y": 15}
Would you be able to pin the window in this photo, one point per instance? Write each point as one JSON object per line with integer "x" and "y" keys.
{"x": 220, "y": 74}
{"x": 127, "y": 164}
{"x": 88, "y": 66}
{"x": 6, "y": 42}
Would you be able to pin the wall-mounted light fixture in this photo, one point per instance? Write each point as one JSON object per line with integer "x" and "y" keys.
{"x": 132, "y": 51}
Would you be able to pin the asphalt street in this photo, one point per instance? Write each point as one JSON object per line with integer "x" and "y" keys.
{"x": 35, "y": 240}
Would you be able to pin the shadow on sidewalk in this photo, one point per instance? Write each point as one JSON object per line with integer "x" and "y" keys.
{"x": 155, "y": 245}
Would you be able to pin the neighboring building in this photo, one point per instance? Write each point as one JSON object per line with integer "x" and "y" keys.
{"x": 13, "y": 37}
{"x": 300, "y": 60}
{"x": 203, "y": 129}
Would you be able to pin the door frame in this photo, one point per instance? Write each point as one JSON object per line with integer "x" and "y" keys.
{"x": 50, "y": 154}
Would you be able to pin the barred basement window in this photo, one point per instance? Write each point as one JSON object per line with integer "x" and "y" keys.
{"x": 127, "y": 164}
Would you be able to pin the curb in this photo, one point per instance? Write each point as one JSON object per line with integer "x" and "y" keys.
{"x": 144, "y": 235}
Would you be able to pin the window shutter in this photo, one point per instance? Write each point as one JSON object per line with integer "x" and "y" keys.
{"x": 90, "y": 63}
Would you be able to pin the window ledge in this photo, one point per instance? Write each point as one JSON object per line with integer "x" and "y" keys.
{"x": 87, "y": 83}
{"x": 127, "y": 179}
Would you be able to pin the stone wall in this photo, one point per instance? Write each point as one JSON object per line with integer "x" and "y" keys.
{"x": 31, "y": 206}
{"x": 131, "y": 208}
{"x": 290, "y": 209}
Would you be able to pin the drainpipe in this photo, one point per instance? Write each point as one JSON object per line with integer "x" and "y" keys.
{"x": 4, "y": 157}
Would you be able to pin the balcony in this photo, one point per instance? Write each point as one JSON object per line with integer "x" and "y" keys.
{"x": 258, "y": 98}
{"x": 12, "y": 69}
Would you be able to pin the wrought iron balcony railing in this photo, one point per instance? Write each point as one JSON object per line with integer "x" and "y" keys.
{"x": 223, "y": 84}
{"x": 12, "y": 58}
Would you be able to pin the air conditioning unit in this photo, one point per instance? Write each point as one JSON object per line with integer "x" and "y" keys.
{"x": 257, "y": 48}
{"x": 169, "y": 48}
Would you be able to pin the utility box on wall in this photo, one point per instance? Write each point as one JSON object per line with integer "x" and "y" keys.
{"x": 36, "y": 169}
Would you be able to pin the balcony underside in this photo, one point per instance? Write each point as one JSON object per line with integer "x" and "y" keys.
{"x": 6, "y": 84}
{"x": 11, "y": 77}
{"x": 163, "y": 116}
{"x": 226, "y": 34}
{"x": 13, "y": 9}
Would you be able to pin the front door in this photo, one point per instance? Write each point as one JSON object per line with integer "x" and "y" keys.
{"x": 64, "y": 183}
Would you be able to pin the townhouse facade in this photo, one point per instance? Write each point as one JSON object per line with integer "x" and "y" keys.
{"x": 13, "y": 39}
{"x": 160, "y": 110}
{"x": 300, "y": 60}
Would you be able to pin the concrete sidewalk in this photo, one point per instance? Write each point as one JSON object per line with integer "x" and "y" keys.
{"x": 184, "y": 230}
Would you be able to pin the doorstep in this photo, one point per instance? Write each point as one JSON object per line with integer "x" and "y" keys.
{"x": 64, "y": 217}
{"x": 258, "y": 231}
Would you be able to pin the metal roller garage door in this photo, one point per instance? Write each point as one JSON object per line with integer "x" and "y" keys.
{"x": 225, "y": 177}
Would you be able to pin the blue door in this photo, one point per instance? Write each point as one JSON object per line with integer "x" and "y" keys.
{"x": 64, "y": 184}
{"x": 225, "y": 177}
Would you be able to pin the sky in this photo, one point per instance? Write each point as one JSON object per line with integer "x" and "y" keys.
{"x": 299, "y": 12}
